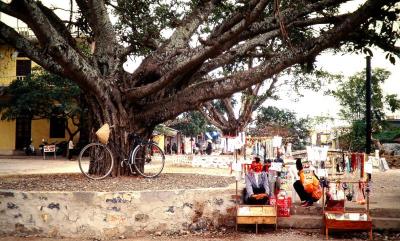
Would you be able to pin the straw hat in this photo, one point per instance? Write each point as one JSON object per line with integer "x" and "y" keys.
{"x": 103, "y": 133}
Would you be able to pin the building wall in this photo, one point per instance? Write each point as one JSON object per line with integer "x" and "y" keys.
{"x": 160, "y": 140}
{"x": 7, "y": 137}
{"x": 7, "y": 65}
{"x": 40, "y": 129}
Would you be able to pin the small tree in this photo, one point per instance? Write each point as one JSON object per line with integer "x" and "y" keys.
{"x": 43, "y": 95}
{"x": 191, "y": 124}
{"x": 274, "y": 121}
{"x": 351, "y": 96}
{"x": 221, "y": 113}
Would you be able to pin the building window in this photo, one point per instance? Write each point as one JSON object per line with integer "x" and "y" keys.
{"x": 57, "y": 127}
{"x": 24, "y": 67}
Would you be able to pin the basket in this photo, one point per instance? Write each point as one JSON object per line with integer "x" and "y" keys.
{"x": 103, "y": 133}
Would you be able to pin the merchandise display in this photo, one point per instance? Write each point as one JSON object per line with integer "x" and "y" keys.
{"x": 347, "y": 182}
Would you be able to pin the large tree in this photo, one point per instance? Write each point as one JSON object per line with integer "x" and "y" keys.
{"x": 183, "y": 43}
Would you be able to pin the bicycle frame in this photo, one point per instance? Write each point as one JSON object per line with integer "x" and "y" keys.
{"x": 125, "y": 157}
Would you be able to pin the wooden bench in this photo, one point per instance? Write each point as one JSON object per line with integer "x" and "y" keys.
{"x": 256, "y": 214}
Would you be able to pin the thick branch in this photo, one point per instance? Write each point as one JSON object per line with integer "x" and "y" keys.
{"x": 95, "y": 12}
{"x": 8, "y": 9}
{"x": 212, "y": 116}
{"x": 223, "y": 87}
{"x": 223, "y": 42}
{"x": 229, "y": 108}
{"x": 268, "y": 93}
{"x": 191, "y": 22}
{"x": 10, "y": 36}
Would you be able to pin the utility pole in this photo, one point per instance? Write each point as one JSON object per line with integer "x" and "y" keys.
{"x": 368, "y": 111}
{"x": 368, "y": 106}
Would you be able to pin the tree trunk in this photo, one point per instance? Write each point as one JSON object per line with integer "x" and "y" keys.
{"x": 121, "y": 126}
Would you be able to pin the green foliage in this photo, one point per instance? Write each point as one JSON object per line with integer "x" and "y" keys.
{"x": 192, "y": 124}
{"x": 41, "y": 95}
{"x": 297, "y": 128}
{"x": 351, "y": 96}
{"x": 141, "y": 21}
{"x": 387, "y": 135}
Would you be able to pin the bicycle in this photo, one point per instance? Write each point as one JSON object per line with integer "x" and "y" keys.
{"x": 145, "y": 157}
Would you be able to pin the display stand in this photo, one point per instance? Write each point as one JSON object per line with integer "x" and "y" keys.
{"x": 254, "y": 214}
{"x": 348, "y": 220}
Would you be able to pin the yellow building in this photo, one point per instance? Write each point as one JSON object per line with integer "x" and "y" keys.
{"x": 14, "y": 135}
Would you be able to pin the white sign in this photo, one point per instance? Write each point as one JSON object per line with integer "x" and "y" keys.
{"x": 236, "y": 166}
{"x": 321, "y": 173}
{"x": 277, "y": 141}
{"x": 368, "y": 167}
{"x": 49, "y": 148}
{"x": 276, "y": 166}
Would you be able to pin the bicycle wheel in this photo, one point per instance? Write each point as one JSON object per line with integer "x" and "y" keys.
{"x": 148, "y": 160}
{"x": 96, "y": 161}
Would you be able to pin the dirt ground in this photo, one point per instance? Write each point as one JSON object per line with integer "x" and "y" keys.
{"x": 77, "y": 182}
{"x": 248, "y": 234}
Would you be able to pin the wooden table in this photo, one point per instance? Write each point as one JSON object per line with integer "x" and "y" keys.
{"x": 256, "y": 214}
{"x": 347, "y": 221}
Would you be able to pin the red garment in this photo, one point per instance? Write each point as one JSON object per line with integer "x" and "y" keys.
{"x": 357, "y": 159}
{"x": 257, "y": 167}
{"x": 353, "y": 161}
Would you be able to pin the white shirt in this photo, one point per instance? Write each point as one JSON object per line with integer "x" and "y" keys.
{"x": 70, "y": 145}
{"x": 256, "y": 177}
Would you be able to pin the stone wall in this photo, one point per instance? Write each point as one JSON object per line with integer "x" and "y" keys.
{"x": 205, "y": 161}
{"x": 105, "y": 215}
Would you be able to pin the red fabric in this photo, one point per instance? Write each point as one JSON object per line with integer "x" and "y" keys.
{"x": 257, "y": 167}
{"x": 357, "y": 158}
{"x": 362, "y": 164}
{"x": 353, "y": 161}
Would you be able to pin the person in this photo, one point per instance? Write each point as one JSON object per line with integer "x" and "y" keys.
{"x": 257, "y": 189}
{"x": 308, "y": 187}
{"x": 168, "y": 148}
{"x": 279, "y": 157}
{"x": 70, "y": 149}
{"x": 182, "y": 148}
{"x": 174, "y": 148}
{"x": 209, "y": 148}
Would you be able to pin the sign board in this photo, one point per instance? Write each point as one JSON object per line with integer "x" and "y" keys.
{"x": 276, "y": 166}
{"x": 49, "y": 148}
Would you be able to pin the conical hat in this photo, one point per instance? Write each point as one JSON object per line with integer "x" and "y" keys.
{"x": 103, "y": 133}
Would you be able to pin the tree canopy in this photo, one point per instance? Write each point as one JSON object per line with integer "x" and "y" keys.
{"x": 191, "y": 124}
{"x": 184, "y": 47}
{"x": 186, "y": 43}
